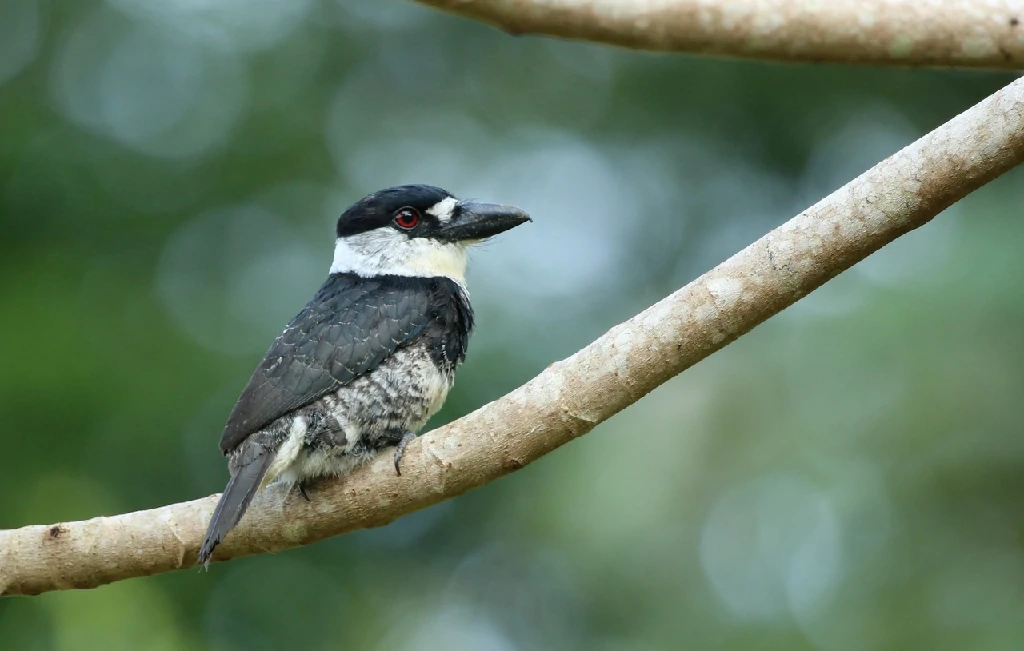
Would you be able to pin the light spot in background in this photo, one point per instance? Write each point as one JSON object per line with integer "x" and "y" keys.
{"x": 857, "y": 487}
{"x": 230, "y": 25}
{"x": 453, "y": 628}
{"x": 20, "y": 28}
{"x": 582, "y": 204}
{"x": 147, "y": 85}
{"x": 772, "y": 547}
{"x": 231, "y": 278}
{"x": 159, "y": 94}
{"x": 77, "y": 66}
{"x": 525, "y": 590}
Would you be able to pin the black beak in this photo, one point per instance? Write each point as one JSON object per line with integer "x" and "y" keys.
{"x": 478, "y": 221}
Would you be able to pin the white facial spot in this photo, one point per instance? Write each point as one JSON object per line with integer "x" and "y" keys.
{"x": 443, "y": 209}
{"x": 386, "y": 251}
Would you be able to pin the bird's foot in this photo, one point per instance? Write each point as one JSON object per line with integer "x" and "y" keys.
{"x": 302, "y": 490}
{"x": 402, "y": 441}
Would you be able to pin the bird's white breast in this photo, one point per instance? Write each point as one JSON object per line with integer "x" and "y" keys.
{"x": 399, "y": 395}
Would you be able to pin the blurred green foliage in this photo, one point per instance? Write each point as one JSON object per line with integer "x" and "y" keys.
{"x": 849, "y": 476}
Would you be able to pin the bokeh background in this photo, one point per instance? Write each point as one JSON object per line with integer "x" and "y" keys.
{"x": 850, "y": 476}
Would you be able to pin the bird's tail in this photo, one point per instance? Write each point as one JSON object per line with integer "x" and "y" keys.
{"x": 245, "y": 481}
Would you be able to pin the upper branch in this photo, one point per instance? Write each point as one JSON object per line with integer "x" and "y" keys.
{"x": 958, "y": 33}
{"x": 569, "y": 397}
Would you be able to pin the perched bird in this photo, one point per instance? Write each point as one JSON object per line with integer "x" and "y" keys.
{"x": 371, "y": 357}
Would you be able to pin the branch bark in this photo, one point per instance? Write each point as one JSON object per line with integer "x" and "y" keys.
{"x": 958, "y": 33}
{"x": 570, "y": 397}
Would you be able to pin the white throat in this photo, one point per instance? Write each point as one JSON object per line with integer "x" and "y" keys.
{"x": 386, "y": 251}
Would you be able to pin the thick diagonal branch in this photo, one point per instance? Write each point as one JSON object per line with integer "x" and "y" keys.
{"x": 960, "y": 33}
{"x": 570, "y": 397}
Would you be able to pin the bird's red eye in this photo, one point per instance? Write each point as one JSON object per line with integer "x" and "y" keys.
{"x": 407, "y": 218}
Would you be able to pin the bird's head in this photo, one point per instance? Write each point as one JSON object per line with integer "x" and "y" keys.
{"x": 416, "y": 230}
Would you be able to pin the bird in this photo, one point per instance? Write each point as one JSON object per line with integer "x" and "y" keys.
{"x": 370, "y": 358}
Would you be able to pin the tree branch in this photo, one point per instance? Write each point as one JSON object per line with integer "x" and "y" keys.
{"x": 570, "y": 397}
{"x": 959, "y": 33}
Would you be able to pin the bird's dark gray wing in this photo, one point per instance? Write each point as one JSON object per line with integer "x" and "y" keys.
{"x": 350, "y": 327}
